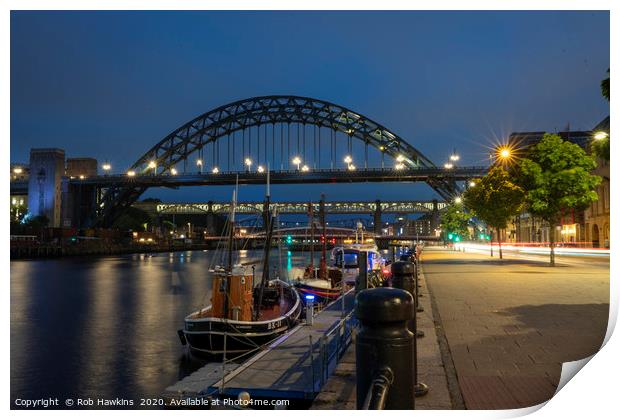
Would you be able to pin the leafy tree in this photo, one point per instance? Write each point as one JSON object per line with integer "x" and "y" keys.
{"x": 132, "y": 219}
{"x": 605, "y": 86}
{"x": 455, "y": 220}
{"x": 495, "y": 198}
{"x": 600, "y": 148}
{"x": 556, "y": 177}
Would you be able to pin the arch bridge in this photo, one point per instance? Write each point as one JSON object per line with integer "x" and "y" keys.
{"x": 298, "y": 139}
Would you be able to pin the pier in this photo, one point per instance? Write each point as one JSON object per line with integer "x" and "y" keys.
{"x": 294, "y": 367}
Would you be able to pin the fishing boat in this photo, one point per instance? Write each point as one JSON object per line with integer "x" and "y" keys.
{"x": 322, "y": 283}
{"x": 242, "y": 317}
{"x": 345, "y": 258}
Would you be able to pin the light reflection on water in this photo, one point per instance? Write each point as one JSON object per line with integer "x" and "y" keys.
{"x": 106, "y": 327}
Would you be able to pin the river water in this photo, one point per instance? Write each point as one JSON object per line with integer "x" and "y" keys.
{"x": 106, "y": 327}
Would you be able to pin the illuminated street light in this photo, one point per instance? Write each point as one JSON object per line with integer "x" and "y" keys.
{"x": 131, "y": 173}
{"x": 448, "y": 165}
{"x": 17, "y": 170}
{"x": 199, "y": 162}
{"x": 400, "y": 158}
{"x": 600, "y": 135}
{"x": 215, "y": 170}
{"x": 260, "y": 169}
{"x": 351, "y": 167}
{"x": 458, "y": 200}
{"x": 348, "y": 160}
{"x": 454, "y": 157}
{"x": 152, "y": 164}
{"x": 504, "y": 153}
{"x": 472, "y": 184}
{"x": 297, "y": 161}
{"x": 81, "y": 176}
{"x": 248, "y": 163}
{"x": 305, "y": 168}
{"x": 173, "y": 171}
{"x": 106, "y": 167}
{"x": 399, "y": 166}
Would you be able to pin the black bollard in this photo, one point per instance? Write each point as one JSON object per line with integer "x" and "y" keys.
{"x": 361, "y": 282}
{"x": 384, "y": 349}
{"x": 416, "y": 278}
{"x": 403, "y": 277}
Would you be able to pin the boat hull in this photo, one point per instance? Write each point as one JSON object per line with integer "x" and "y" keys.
{"x": 211, "y": 336}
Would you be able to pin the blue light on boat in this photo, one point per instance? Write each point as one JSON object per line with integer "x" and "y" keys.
{"x": 309, "y": 298}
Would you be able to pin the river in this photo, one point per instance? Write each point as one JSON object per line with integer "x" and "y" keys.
{"x": 106, "y": 327}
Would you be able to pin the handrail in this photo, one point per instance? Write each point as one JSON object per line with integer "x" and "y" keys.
{"x": 378, "y": 390}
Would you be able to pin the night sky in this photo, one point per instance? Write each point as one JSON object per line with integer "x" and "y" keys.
{"x": 112, "y": 84}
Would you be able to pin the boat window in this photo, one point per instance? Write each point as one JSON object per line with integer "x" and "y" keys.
{"x": 350, "y": 259}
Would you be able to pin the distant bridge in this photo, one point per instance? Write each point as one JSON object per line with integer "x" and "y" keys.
{"x": 300, "y": 207}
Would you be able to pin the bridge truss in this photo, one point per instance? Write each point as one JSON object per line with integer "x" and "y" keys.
{"x": 248, "y": 135}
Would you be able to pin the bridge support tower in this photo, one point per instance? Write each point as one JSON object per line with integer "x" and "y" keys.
{"x": 377, "y": 217}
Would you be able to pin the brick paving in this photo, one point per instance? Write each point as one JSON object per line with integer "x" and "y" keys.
{"x": 511, "y": 324}
{"x": 340, "y": 392}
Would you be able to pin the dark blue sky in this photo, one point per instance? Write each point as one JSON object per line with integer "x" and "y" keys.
{"x": 112, "y": 84}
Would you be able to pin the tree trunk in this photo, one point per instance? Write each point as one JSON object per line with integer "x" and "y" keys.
{"x": 552, "y": 243}
{"x": 491, "y": 242}
{"x": 499, "y": 242}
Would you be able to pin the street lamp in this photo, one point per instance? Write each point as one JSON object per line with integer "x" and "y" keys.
{"x": 173, "y": 171}
{"x": 305, "y": 168}
{"x": 458, "y": 200}
{"x": 400, "y": 158}
{"x": 297, "y": 161}
{"x": 454, "y": 157}
{"x": 260, "y": 169}
{"x": 199, "y": 164}
{"x": 348, "y": 159}
{"x": 106, "y": 168}
{"x": 215, "y": 170}
{"x": 448, "y": 165}
{"x": 153, "y": 166}
{"x": 399, "y": 166}
{"x": 600, "y": 135}
{"x": 472, "y": 184}
{"x": 352, "y": 167}
{"x": 248, "y": 163}
{"x": 131, "y": 173}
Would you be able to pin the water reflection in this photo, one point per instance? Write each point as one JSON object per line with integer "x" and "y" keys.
{"x": 107, "y": 327}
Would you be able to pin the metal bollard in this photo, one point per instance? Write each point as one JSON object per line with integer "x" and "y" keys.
{"x": 309, "y": 309}
{"x": 361, "y": 282}
{"x": 384, "y": 349}
{"x": 403, "y": 276}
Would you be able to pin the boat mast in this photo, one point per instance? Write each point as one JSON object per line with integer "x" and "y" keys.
{"x": 231, "y": 234}
{"x": 311, "y": 214}
{"x": 269, "y": 233}
{"x": 323, "y": 263}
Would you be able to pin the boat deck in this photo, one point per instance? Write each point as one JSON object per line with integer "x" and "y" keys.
{"x": 293, "y": 367}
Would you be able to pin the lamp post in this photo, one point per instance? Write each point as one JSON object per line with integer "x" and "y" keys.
{"x": 106, "y": 168}
{"x": 248, "y": 163}
{"x": 297, "y": 161}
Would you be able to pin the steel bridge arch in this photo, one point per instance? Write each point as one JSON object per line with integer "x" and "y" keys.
{"x": 207, "y": 128}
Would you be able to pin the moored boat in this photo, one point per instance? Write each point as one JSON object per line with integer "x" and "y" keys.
{"x": 242, "y": 317}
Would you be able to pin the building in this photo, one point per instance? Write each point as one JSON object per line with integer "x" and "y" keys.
{"x": 597, "y": 216}
{"x": 81, "y": 167}
{"x": 47, "y": 167}
{"x": 578, "y": 228}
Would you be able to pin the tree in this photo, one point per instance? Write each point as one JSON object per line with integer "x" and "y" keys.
{"x": 556, "y": 177}
{"x": 495, "y": 198}
{"x": 605, "y": 87}
{"x": 132, "y": 219}
{"x": 600, "y": 148}
{"x": 455, "y": 220}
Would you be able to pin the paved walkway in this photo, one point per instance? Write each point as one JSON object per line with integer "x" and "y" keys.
{"x": 510, "y": 324}
{"x": 340, "y": 392}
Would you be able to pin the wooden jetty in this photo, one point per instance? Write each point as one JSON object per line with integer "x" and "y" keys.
{"x": 294, "y": 367}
